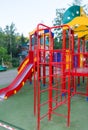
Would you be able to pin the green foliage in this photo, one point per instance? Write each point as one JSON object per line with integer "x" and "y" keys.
{"x": 58, "y": 19}
{"x": 77, "y": 2}
{"x": 57, "y": 43}
{"x": 58, "y": 32}
{"x": 15, "y": 62}
{"x": 10, "y": 44}
{"x": 23, "y": 39}
{"x": 3, "y": 51}
{"x": 2, "y": 38}
{"x": 59, "y": 15}
{"x": 4, "y": 55}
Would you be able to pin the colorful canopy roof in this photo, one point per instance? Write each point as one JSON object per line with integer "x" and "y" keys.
{"x": 77, "y": 19}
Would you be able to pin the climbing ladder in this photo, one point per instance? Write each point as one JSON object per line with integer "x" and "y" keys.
{"x": 52, "y": 79}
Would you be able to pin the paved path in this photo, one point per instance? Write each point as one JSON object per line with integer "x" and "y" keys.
{"x": 6, "y": 77}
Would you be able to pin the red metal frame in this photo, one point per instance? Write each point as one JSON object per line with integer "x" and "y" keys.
{"x": 81, "y": 72}
{"x": 49, "y": 76}
{"x": 53, "y": 78}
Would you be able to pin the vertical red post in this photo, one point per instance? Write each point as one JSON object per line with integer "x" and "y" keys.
{"x": 83, "y": 50}
{"x": 50, "y": 74}
{"x": 44, "y": 55}
{"x": 38, "y": 79}
{"x": 30, "y": 39}
{"x": 38, "y": 96}
{"x": 69, "y": 96}
{"x": 35, "y": 89}
{"x": 32, "y": 59}
{"x": 63, "y": 60}
{"x": 71, "y": 39}
{"x": 87, "y": 89}
{"x": 72, "y": 58}
{"x": 78, "y": 59}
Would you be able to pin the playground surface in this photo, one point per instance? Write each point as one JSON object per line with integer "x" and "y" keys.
{"x": 7, "y": 76}
{"x": 17, "y": 112}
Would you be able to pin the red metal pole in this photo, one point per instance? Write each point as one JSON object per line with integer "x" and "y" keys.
{"x": 72, "y": 59}
{"x": 39, "y": 29}
{"x": 38, "y": 80}
{"x": 78, "y": 59}
{"x": 44, "y": 55}
{"x": 35, "y": 94}
{"x": 87, "y": 89}
{"x": 69, "y": 96}
{"x": 30, "y": 38}
{"x": 50, "y": 74}
{"x": 63, "y": 61}
{"x": 78, "y": 52}
{"x": 69, "y": 77}
{"x": 35, "y": 81}
{"x": 34, "y": 71}
{"x": 83, "y": 50}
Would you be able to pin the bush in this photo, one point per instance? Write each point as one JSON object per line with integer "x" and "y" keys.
{"x": 15, "y": 62}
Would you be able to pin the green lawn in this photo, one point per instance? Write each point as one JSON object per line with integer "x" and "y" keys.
{"x": 17, "y": 111}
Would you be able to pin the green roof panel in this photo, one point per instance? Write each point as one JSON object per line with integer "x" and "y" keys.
{"x": 71, "y": 13}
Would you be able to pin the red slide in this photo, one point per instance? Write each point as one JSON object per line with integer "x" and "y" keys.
{"x": 18, "y": 82}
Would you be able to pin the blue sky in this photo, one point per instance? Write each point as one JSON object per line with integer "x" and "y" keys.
{"x": 26, "y": 14}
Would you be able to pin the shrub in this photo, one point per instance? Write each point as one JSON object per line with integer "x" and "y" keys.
{"x": 15, "y": 62}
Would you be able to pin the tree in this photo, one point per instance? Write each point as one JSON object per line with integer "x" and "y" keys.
{"x": 59, "y": 15}
{"x": 10, "y": 36}
{"x": 86, "y": 8}
{"x": 76, "y": 2}
{"x": 4, "y": 55}
{"x": 10, "y": 42}
{"x": 58, "y": 21}
{"x": 2, "y": 38}
{"x": 22, "y": 39}
{"x": 2, "y": 52}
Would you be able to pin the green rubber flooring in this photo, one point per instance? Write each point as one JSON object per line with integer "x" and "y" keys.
{"x": 17, "y": 112}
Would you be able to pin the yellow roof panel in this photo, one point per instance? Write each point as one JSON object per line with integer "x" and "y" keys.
{"x": 81, "y": 20}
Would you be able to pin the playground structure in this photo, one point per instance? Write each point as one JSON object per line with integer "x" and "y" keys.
{"x": 57, "y": 78}
{"x": 76, "y": 18}
{"x": 66, "y": 70}
{"x": 57, "y": 73}
{"x": 52, "y": 79}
